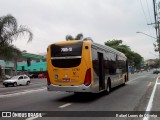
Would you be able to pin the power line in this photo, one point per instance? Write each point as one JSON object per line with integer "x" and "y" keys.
{"x": 149, "y": 16}
{"x": 143, "y": 11}
{"x": 145, "y": 15}
{"x": 148, "y": 11}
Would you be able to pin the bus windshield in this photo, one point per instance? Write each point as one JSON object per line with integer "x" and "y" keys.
{"x": 62, "y": 55}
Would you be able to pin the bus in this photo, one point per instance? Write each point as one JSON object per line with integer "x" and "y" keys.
{"x": 84, "y": 66}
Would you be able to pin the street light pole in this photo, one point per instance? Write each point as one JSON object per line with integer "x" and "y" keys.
{"x": 147, "y": 35}
{"x": 158, "y": 41}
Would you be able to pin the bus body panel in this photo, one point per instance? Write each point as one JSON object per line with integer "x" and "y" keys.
{"x": 114, "y": 67}
{"x": 105, "y": 63}
{"x": 64, "y": 79}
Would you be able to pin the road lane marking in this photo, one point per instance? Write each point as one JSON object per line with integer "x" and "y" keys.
{"x": 149, "y": 106}
{"x": 37, "y": 83}
{"x": 23, "y": 92}
{"x": 65, "y": 105}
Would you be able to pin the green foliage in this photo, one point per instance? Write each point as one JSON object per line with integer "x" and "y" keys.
{"x": 133, "y": 57}
{"x": 9, "y": 31}
{"x": 113, "y": 43}
{"x": 78, "y": 37}
{"x": 69, "y": 37}
{"x": 9, "y": 51}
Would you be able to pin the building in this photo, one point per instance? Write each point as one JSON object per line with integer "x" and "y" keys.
{"x": 7, "y": 67}
{"x": 151, "y": 61}
{"x": 32, "y": 63}
{"x": 27, "y": 62}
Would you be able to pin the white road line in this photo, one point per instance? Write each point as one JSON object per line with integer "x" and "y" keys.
{"x": 22, "y": 93}
{"x": 65, "y": 105}
{"x": 149, "y": 106}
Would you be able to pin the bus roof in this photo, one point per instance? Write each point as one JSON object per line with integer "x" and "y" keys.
{"x": 98, "y": 46}
{"x": 68, "y": 42}
{"x": 107, "y": 48}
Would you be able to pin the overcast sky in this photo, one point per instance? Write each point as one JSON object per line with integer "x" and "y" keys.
{"x": 102, "y": 20}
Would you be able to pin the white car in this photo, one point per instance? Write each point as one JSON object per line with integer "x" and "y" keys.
{"x": 17, "y": 80}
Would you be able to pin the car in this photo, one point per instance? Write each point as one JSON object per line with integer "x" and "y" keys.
{"x": 33, "y": 76}
{"x": 42, "y": 76}
{"x": 7, "y": 77}
{"x": 156, "y": 71}
{"x": 17, "y": 80}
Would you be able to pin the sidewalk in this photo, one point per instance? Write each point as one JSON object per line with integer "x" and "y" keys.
{"x": 156, "y": 99}
{"x": 1, "y": 84}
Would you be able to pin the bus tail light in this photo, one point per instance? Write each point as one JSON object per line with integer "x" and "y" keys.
{"x": 87, "y": 80}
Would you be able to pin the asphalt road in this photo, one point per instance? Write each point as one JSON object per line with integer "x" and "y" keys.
{"x": 139, "y": 94}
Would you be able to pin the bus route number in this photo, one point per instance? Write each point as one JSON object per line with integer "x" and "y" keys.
{"x": 66, "y": 49}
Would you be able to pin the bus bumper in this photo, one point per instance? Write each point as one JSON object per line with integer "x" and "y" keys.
{"x": 79, "y": 88}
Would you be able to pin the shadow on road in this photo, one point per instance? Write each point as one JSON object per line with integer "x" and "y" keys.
{"x": 85, "y": 97}
{"x": 81, "y": 97}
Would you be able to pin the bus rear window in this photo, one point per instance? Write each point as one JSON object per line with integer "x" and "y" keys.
{"x": 66, "y": 56}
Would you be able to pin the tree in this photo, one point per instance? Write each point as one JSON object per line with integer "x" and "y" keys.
{"x": 78, "y": 37}
{"x": 9, "y": 31}
{"x": 133, "y": 57}
{"x": 69, "y": 37}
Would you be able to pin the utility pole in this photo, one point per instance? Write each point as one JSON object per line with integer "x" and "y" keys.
{"x": 158, "y": 42}
{"x": 154, "y": 8}
{"x": 157, "y": 27}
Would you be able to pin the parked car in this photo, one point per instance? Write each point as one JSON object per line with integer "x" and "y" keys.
{"x": 156, "y": 71}
{"x": 42, "y": 76}
{"x": 33, "y": 76}
{"x": 7, "y": 77}
{"x": 17, "y": 80}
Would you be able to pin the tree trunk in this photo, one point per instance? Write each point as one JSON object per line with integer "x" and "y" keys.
{"x": 15, "y": 66}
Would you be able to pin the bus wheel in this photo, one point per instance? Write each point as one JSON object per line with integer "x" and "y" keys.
{"x": 108, "y": 90}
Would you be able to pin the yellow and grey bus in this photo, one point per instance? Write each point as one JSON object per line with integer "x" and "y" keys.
{"x": 84, "y": 66}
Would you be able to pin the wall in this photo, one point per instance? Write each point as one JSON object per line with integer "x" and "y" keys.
{"x": 35, "y": 66}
